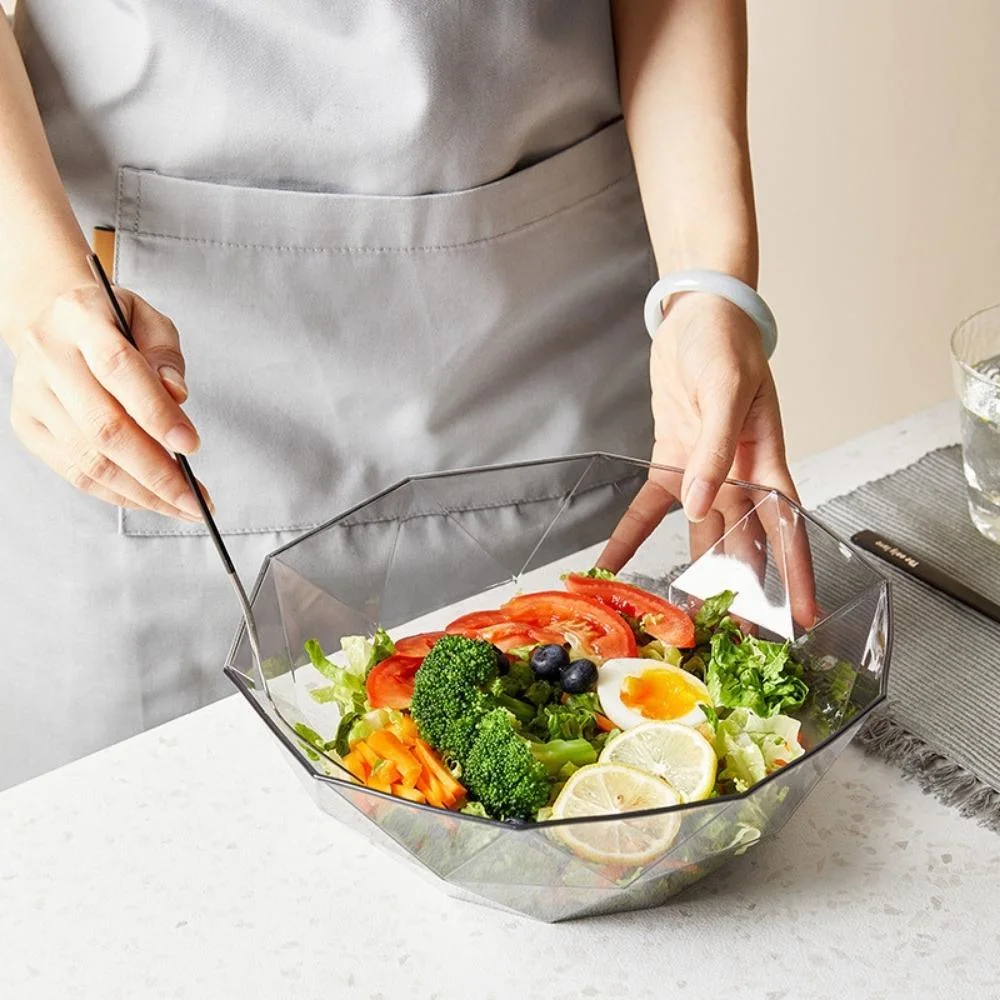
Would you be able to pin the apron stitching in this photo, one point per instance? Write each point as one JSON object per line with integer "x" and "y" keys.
{"x": 118, "y": 208}
{"x": 471, "y": 508}
{"x": 138, "y": 202}
{"x": 276, "y": 529}
{"x": 288, "y": 248}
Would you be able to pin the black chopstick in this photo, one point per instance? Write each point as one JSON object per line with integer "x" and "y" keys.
{"x": 220, "y": 546}
{"x": 919, "y": 569}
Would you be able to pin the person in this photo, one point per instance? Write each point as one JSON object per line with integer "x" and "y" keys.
{"x": 375, "y": 239}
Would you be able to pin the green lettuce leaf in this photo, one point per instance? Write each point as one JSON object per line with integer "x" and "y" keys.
{"x": 572, "y": 719}
{"x": 521, "y": 654}
{"x": 746, "y": 672}
{"x": 751, "y": 747}
{"x": 711, "y": 716}
{"x": 311, "y": 738}
{"x": 475, "y": 809}
{"x": 342, "y": 738}
{"x": 831, "y": 684}
{"x": 382, "y": 648}
{"x": 361, "y": 652}
{"x": 318, "y": 659}
{"x": 657, "y": 649}
{"x": 348, "y": 687}
{"x": 710, "y": 615}
{"x": 357, "y": 650}
{"x": 309, "y": 735}
{"x": 595, "y": 573}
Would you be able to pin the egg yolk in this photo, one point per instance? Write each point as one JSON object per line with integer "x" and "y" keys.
{"x": 659, "y": 694}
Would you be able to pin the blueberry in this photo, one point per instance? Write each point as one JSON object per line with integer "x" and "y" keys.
{"x": 548, "y": 661}
{"x": 578, "y": 676}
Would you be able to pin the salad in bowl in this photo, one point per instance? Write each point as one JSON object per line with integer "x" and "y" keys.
{"x": 599, "y": 698}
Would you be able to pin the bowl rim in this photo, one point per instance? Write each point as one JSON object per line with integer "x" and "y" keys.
{"x": 858, "y": 553}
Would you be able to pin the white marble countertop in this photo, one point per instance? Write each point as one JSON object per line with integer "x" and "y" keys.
{"x": 188, "y": 863}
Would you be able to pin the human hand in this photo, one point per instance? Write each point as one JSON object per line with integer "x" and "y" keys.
{"x": 103, "y": 414}
{"x": 716, "y": 416}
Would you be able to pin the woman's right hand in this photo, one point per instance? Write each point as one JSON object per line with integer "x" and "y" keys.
{"x": 101, "y": 413}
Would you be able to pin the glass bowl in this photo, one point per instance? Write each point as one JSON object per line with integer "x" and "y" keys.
{"x": 432, "y": 547}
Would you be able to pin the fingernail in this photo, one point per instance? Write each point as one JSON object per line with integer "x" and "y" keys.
{"x": 698, "y": 500}
{"x": 181, "y": 438}
{"x": 176, "y": 380}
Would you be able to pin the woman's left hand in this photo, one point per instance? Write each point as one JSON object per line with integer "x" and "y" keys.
{"x": 715, "y": 407}
{"x": 716, "y": 416}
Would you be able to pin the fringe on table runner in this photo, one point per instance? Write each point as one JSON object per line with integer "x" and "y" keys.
{"x": 951, "y": 783}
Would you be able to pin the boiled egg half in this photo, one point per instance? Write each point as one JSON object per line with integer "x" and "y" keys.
{"x": 633, "y": 690}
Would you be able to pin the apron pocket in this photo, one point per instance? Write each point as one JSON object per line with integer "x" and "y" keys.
{"x": 338, "y": 343}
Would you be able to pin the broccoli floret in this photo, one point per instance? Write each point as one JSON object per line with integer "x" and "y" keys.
{"x": 460, "y": 732}
{"x": 518, "y": 677}
{"x": 502, "y": 772}
{"x": 450, "y": 692}
{"x": 511, "y": 775}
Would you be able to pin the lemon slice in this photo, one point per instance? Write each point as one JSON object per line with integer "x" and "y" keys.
{"x": 616, "y": 790}
{"x": 670, "y": 750}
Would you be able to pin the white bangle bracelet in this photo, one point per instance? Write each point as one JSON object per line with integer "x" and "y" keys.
{"x": 725, "y": 286}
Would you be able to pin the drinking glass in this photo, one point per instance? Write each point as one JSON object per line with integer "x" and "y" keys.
{"x": 975, "y": 352}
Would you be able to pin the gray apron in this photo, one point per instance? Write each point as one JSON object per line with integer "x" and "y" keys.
{"x": 396, "y": 237}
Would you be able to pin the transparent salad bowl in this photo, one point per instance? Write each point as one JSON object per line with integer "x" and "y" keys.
{"x": 414, "y": 557}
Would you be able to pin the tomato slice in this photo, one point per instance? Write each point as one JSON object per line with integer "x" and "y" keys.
{"x": 417, "y": 645}
{"x": 497, "y": 628}
{"x": 471, "y": 623}
{"x": 601, "y": 630}
{"x": 390, "y": 683}
{"x": 514, "y": 635}
{"x": 657, "y": 616}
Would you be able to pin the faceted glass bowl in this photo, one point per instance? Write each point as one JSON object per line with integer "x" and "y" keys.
{"x": 416, "y": 556}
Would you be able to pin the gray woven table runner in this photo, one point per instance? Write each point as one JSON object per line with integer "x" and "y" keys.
{"x": 941, "y": 722}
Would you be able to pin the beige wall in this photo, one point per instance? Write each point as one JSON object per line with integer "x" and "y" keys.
{"x": 876, "y": 139}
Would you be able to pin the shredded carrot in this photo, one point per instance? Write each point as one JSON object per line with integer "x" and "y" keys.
{"x": 406, "y": 731}
{"x": 369, "y": 755}
{"x": 357, "y": 765}
{"x": 397, "y": 761}
{"x": 408, "y": 793}
{"x": 435, "y": 765}
{"x": 431, "y": 789}
{"x": 388, "y": 747}
{"x": 385, "y": 771}
{"x": 604, "y": 723}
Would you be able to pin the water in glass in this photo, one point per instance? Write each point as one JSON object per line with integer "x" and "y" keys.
{"x": 980, "y": 397}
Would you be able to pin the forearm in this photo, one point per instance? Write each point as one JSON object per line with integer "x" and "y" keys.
{"x": 42, "y": 250}
{"x": 682, "y": 68}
